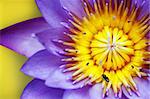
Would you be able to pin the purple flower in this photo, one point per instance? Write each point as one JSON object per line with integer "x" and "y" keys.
{"x": 85, "y": 49}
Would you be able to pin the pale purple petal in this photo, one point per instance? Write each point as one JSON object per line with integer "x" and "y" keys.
{"x": 21, "y": 37}
{"x": 52, "y": 12}
{"x": 74, "y": 6}
{"x": 62, "y": 80}
{"x": 82, "y": 93}
{"x": 41, "y": 64}
{"x": 143, "y": 89}
{"x": 111, "y": 95}
{"x": 96, "y": 92}
{"x": 46, "y": 38}
{"x": 36, "y": 89}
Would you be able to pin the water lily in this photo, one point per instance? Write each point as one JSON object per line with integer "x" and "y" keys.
{"x": 85, "y": 49}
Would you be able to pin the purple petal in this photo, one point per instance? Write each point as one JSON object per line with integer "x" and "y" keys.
{"x": 143, "y": 88}
{"x": 74, "y": 6}
{"x": 36, "y": 89}
{"x": 52, "y": 12}
{"x": 82, "y": 93}
{"x": 62, "y": 80}
{"x": 144, "y": 4}
{"x": 111, "y": 95}
{"x": 96, "y": 92}
{"x": 46, "y": 38}
{"x": 20, "y": 37}
{"x": 41, "y": 64}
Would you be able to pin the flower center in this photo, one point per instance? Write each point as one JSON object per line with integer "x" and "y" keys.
{"x": 108, "y": 45}
{"x": 111, "y": 48}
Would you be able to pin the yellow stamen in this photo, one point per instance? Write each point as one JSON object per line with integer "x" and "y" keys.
{"x": 108, "y": 46}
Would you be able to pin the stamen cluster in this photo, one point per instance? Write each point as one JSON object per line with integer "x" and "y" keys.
{"x": 108, "y": 45}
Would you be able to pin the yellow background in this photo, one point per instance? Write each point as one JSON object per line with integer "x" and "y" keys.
{"x": 12, "y": 81}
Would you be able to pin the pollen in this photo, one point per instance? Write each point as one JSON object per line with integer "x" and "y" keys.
{"x": 109, "y": 45}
